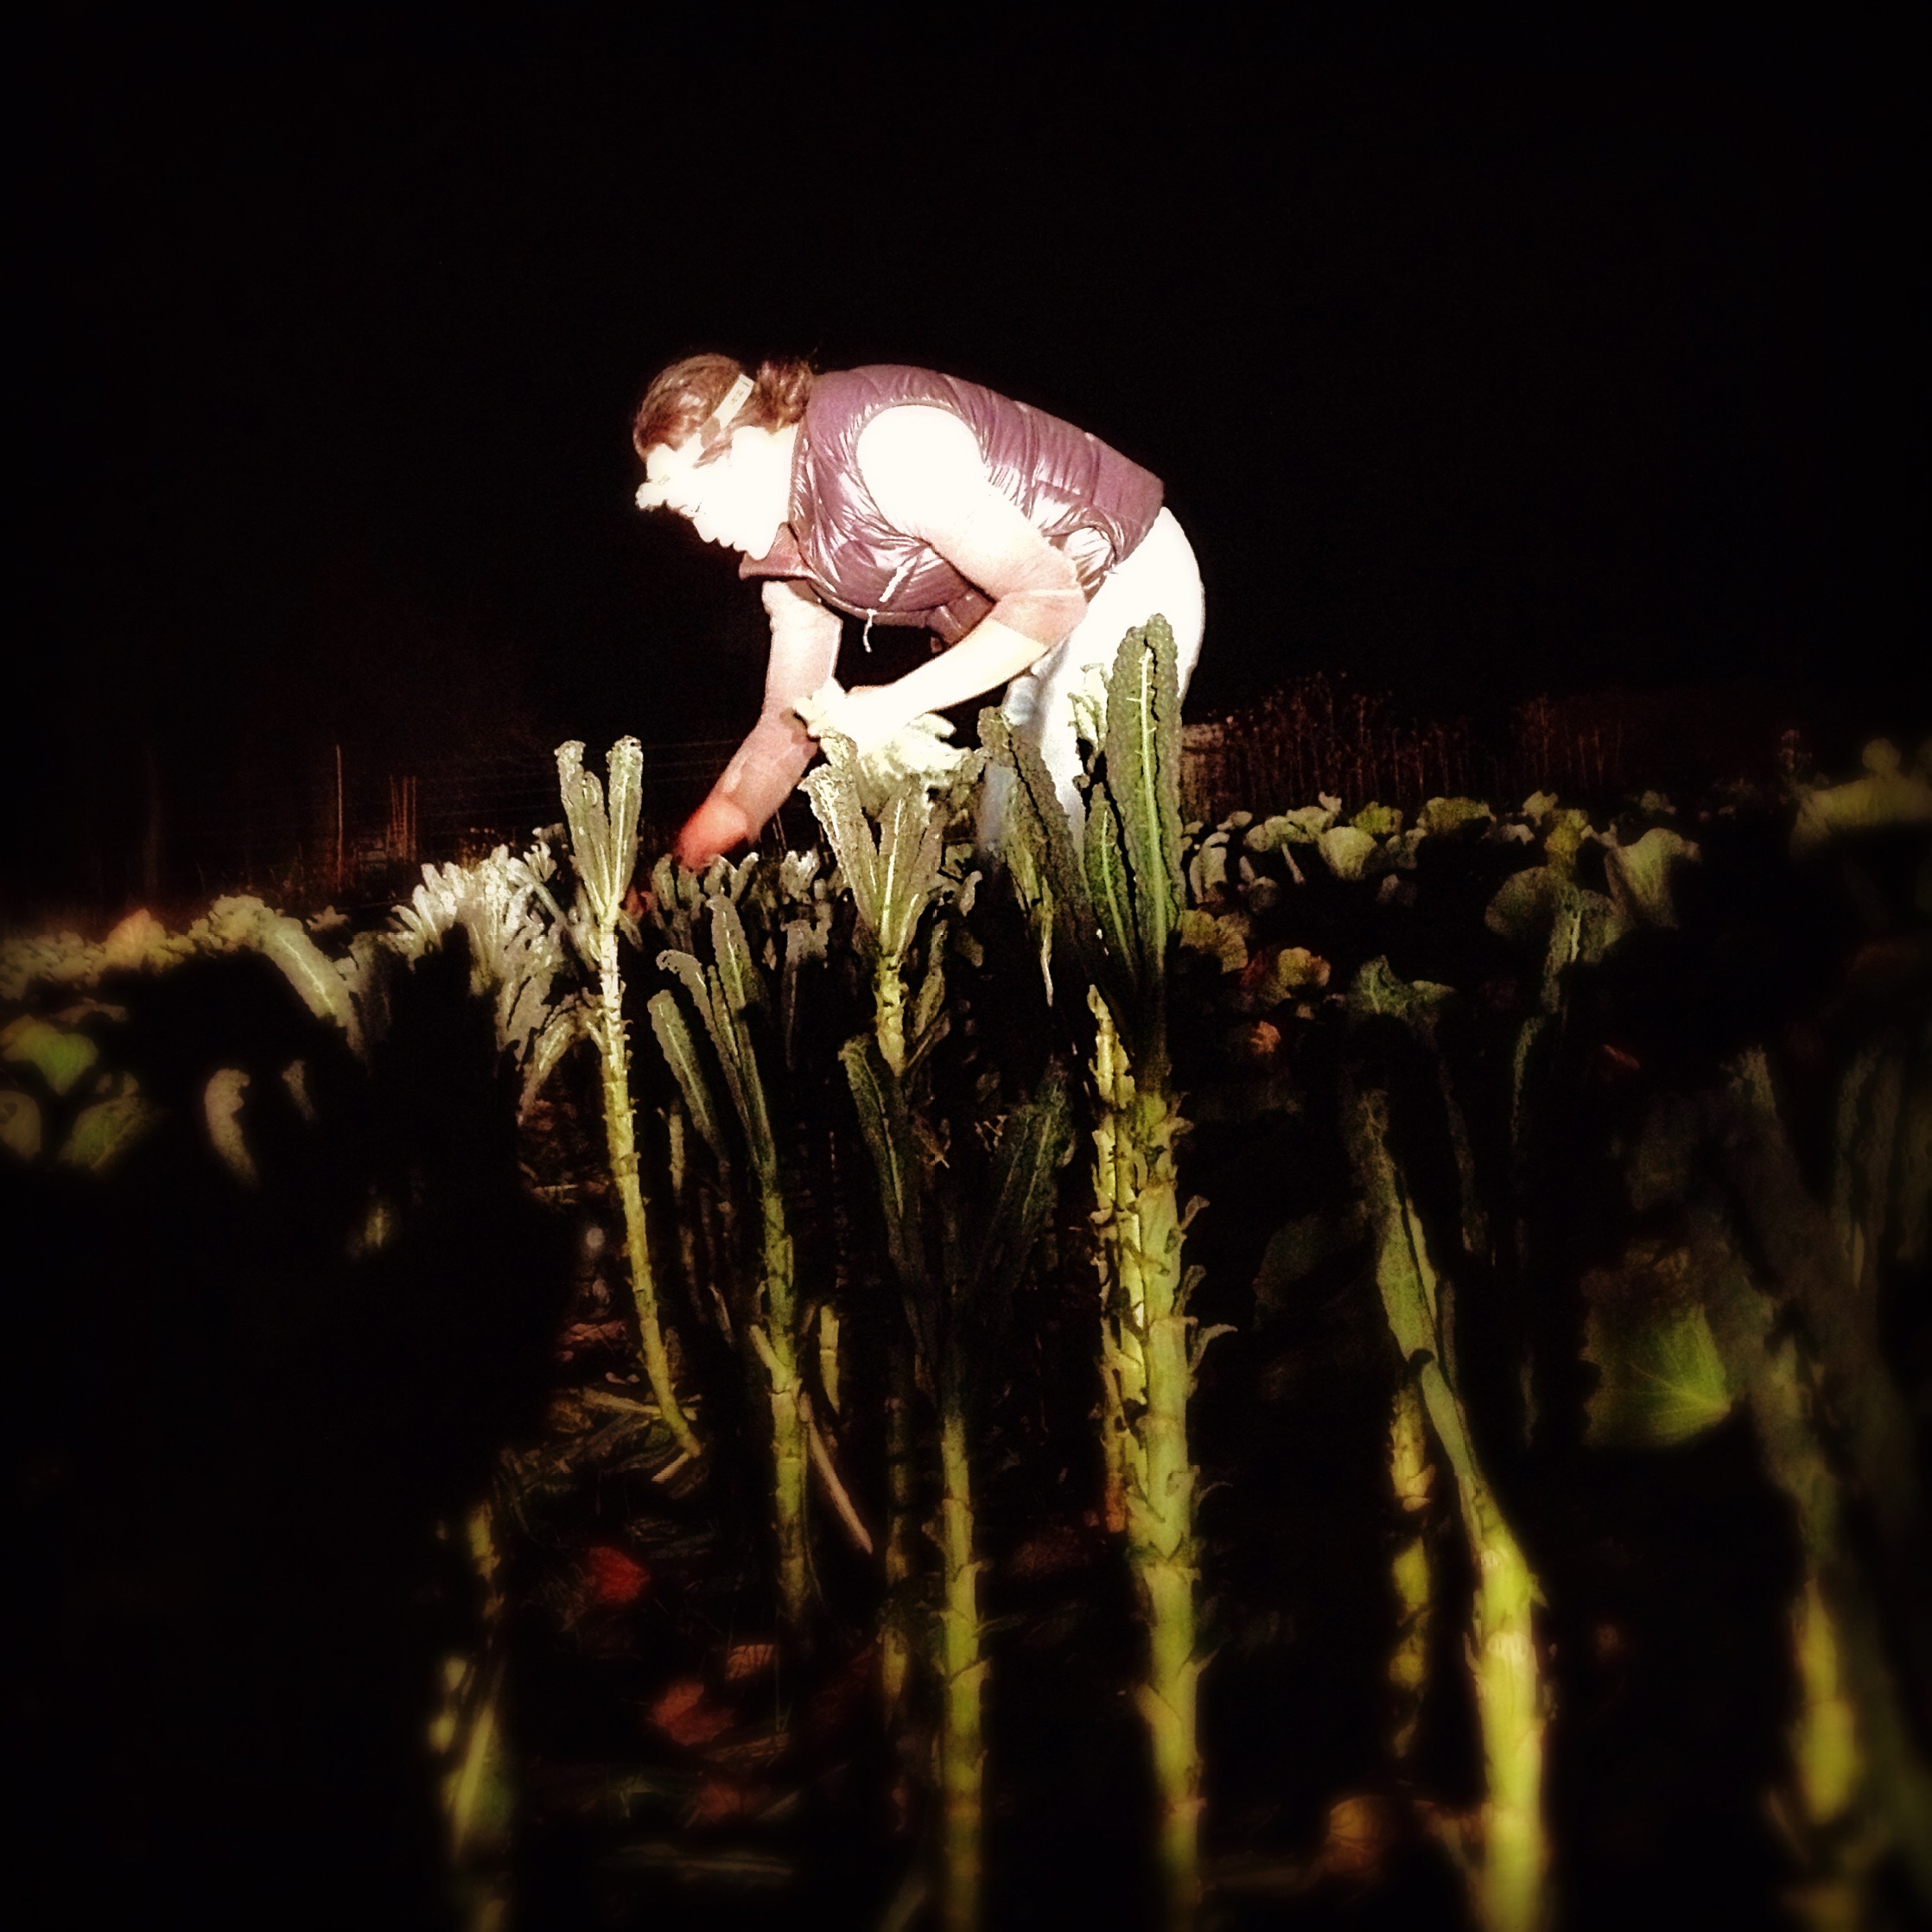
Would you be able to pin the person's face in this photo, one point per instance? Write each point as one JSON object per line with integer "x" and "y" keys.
{"x": 726, "y": 498}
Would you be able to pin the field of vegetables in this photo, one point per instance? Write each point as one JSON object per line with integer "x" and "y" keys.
{"x": 1331, "y": 1369}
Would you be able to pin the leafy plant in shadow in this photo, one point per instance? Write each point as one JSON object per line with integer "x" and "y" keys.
{"x": 962, "y": 1212}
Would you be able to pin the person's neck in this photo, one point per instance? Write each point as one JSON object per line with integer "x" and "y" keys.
{"x": 785, "y": 447}
{"x": 774, "y": 461}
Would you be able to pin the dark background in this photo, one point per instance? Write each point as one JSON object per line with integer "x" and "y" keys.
{"x": 1475, "y": 369}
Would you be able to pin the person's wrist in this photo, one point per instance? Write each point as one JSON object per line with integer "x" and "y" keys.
{"x": 717, "y": 825}
{"x": 920, "y": 690}
{"x": 723, "y": 813}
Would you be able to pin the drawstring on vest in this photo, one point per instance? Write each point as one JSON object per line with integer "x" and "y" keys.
{"x": 897, "y": 577}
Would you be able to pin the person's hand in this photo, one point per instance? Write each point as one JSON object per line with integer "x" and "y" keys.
{"x": 716, "y": 826}
{"x": 870, "y": 715}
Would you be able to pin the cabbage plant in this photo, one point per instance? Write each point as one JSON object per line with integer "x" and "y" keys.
{"x": 1113, "y": 902}
{"x": 1759, "y": 1294}
{"x": 959, "y": 1229}
{"x": 604, "y": 847}
{"x": 1503, "y": 1845}
{"x": 724, "y": 994}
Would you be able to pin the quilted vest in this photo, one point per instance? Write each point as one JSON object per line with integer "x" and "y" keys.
{"x": 1085, "y": 499}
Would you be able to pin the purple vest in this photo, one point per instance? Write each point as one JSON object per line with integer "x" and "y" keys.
{"x": 1084, "y": 499}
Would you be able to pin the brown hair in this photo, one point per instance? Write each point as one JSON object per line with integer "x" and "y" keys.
{"x": 681, "y": 398}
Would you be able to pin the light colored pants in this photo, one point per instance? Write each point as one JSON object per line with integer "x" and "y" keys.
{"x": 1159, "y": 578}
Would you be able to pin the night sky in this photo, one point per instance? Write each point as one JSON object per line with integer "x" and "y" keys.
{"x": 1472, "y": 373}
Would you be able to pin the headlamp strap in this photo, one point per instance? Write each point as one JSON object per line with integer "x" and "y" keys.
{"x": 720, "y": 420}
{"x": 709, "y": 434}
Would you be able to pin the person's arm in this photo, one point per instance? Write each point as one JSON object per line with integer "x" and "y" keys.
{"x": 923, "y": 468}
{"x": 767, "y": 768}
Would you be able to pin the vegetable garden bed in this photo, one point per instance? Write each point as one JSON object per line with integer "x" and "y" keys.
{"x": 1316, "y": 1370}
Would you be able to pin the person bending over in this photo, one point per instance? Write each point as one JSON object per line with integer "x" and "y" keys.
{"x": 900, "y": 496}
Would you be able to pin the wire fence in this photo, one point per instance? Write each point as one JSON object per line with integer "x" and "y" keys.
{"x": 350, "y": 830}
{"x": 346, "y": 829}
{"x": 1326, "y": 736}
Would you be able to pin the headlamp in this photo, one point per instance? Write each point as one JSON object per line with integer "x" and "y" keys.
{"x": 672, "y": 463}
